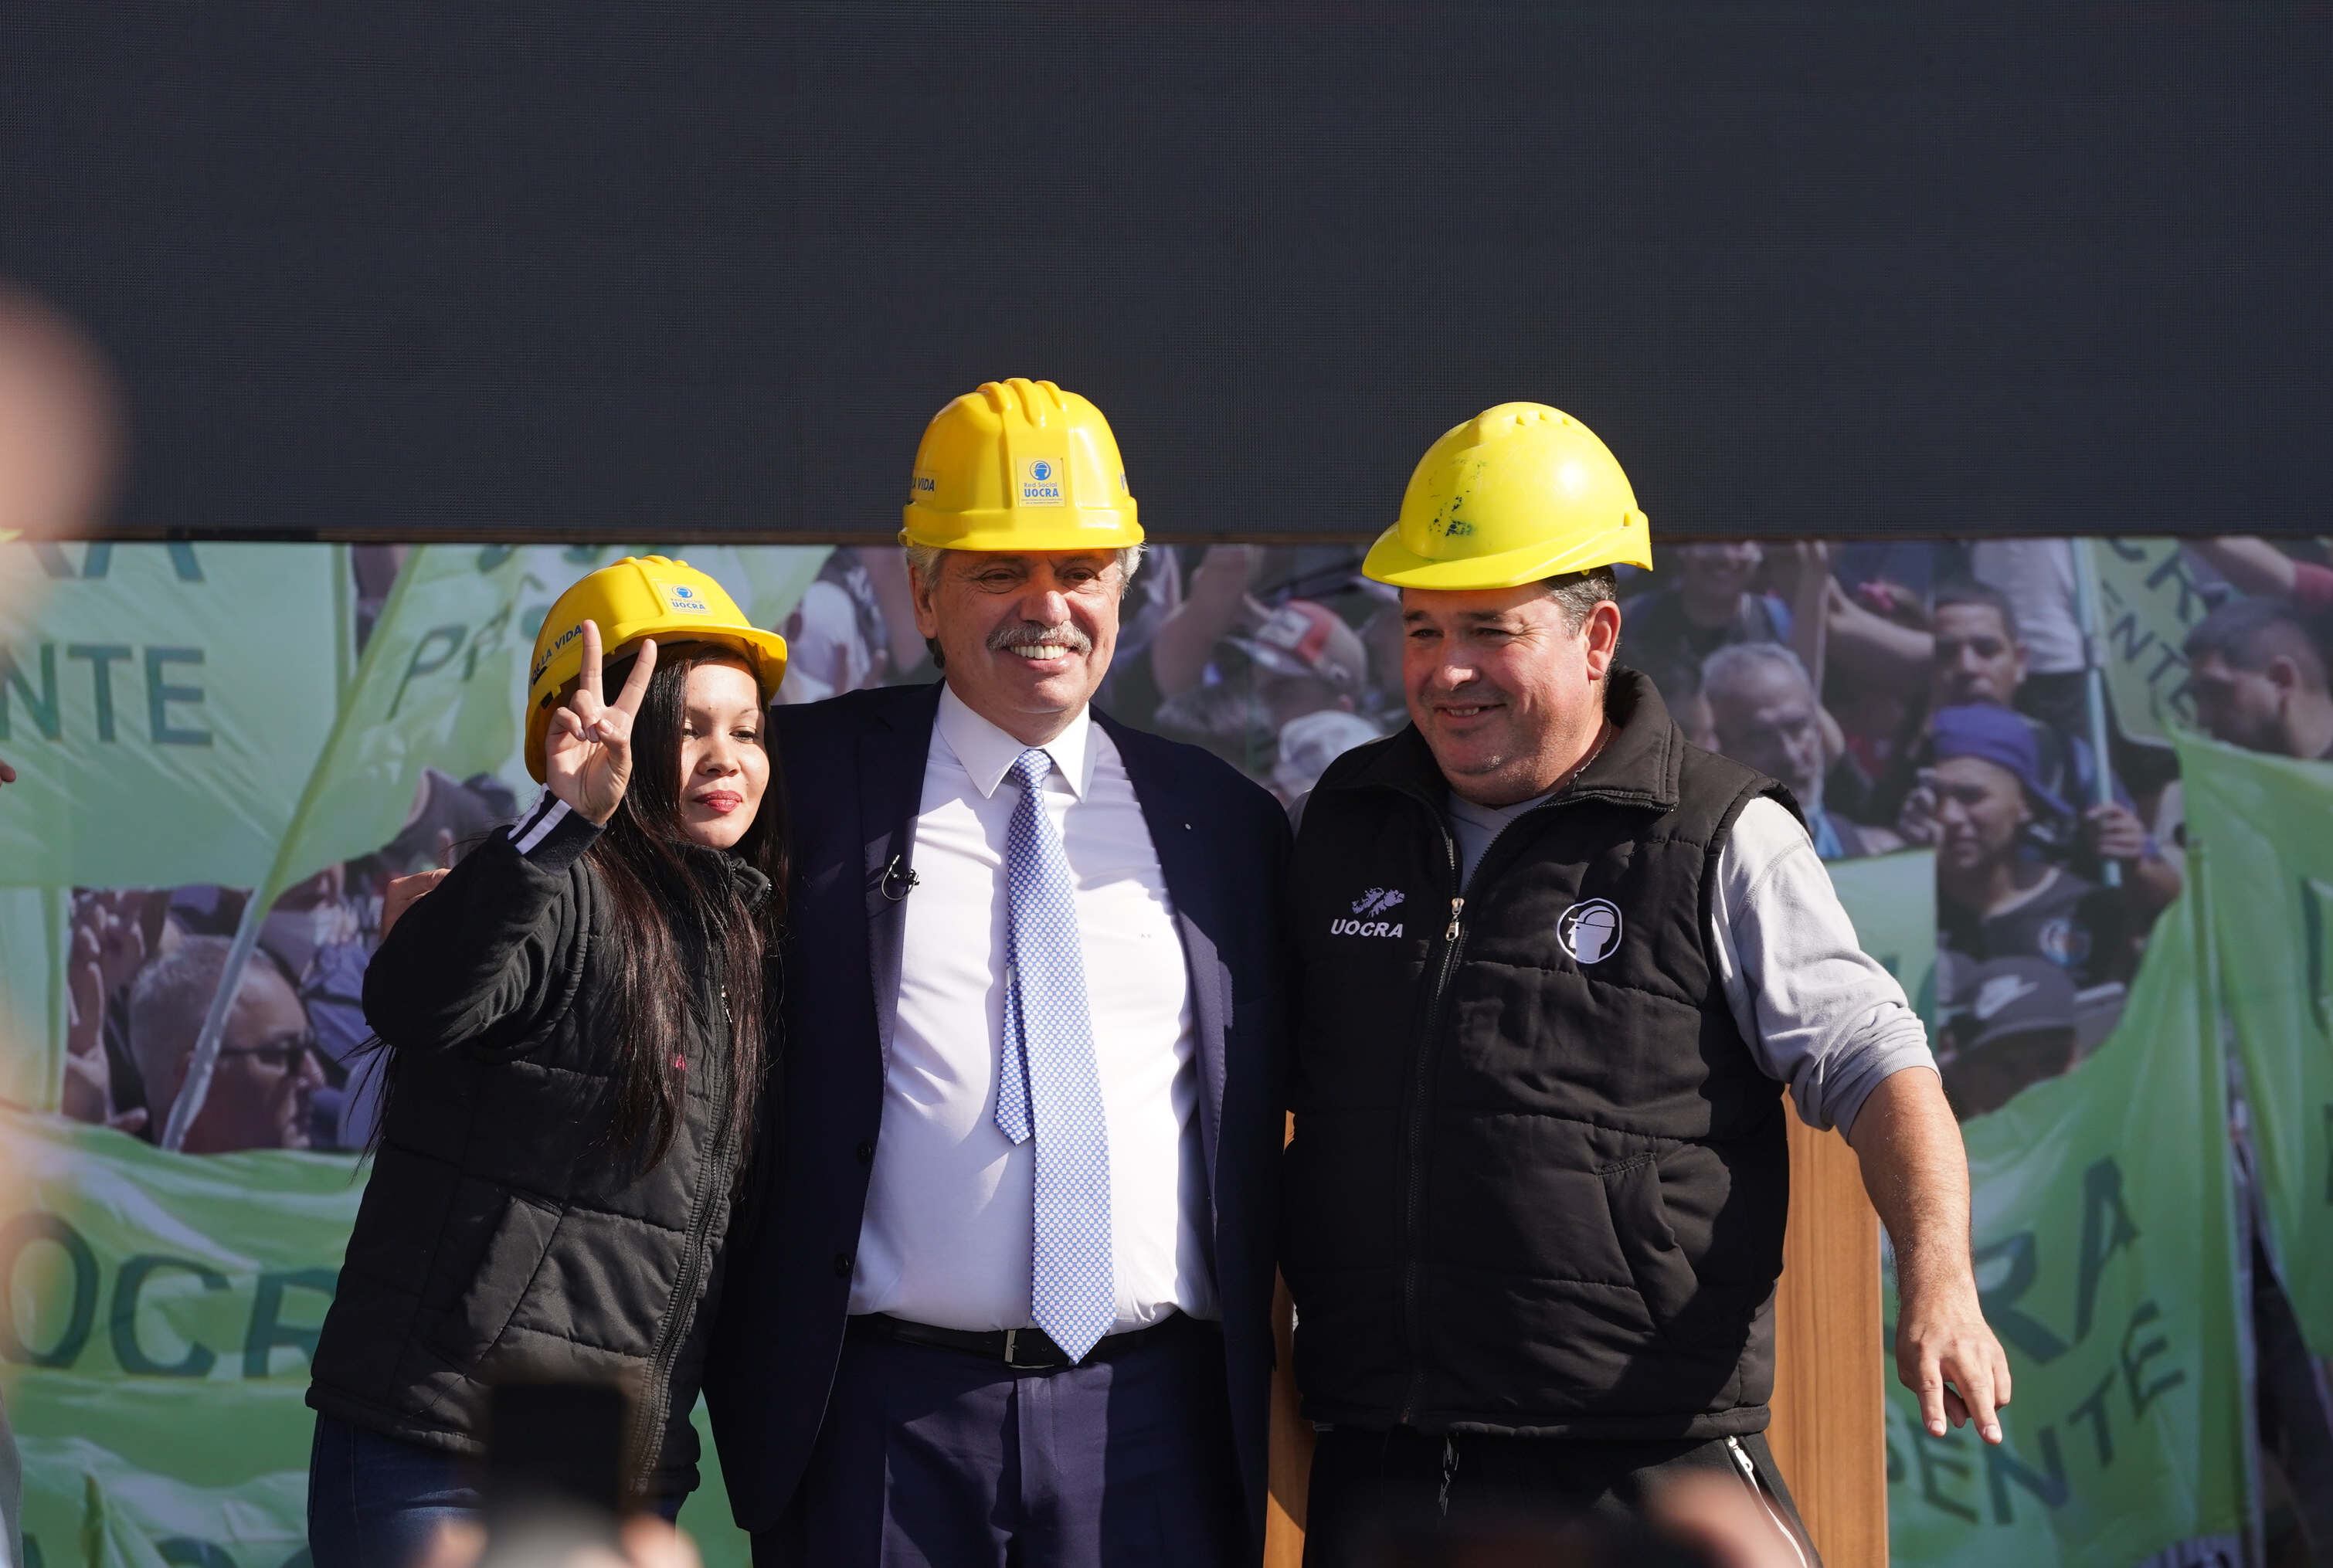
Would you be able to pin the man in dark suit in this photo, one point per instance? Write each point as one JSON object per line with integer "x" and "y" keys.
{"x": 1003, "y": 1293}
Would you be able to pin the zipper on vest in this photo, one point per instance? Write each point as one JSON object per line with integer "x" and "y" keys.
{"x": 658, "y": 1407}
{"x": 1421, "y": 1079}
{"x": 1453, "y": 938}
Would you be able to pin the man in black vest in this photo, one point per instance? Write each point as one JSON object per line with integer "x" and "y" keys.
{"x": 1553, "y": 961}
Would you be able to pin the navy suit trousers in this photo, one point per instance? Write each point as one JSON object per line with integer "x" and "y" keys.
{"x": 932, "y": 1456}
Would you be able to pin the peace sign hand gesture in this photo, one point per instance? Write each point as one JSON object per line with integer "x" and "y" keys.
{"x": 588, "y": 751}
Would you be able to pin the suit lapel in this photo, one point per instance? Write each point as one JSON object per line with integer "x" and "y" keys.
{"x": 891, "y": 758}
{"x": 1174, "y": 835}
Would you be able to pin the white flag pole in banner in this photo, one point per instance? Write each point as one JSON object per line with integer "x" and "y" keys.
{"x": 2094, "y": 687}
{"x": 197, "y": 1086}
{"x": 204, "y": 1061}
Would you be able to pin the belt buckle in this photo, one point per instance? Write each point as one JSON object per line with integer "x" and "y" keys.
{"x": 1012, "y": 1355}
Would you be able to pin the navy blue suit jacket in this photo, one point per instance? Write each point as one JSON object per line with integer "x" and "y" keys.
{"x": 853, "y": 768}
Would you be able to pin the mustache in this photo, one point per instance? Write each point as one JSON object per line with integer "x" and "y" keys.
{"x": 1021, "y": 634}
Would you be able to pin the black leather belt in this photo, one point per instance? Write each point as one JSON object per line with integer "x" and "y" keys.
{"x": 1027, "y": 1350}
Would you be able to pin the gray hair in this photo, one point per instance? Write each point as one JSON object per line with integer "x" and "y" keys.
{"x": 924, "y": 563}
{"x": 1738, "y": 662}
{"x": 171, "y": 994}
{"x": 1579, "y": 593}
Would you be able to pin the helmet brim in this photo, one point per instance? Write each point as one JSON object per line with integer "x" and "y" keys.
{"x": 765, "y": 654}
{"x": 1392, "y": 562}
{"x": 1005, "y": 530}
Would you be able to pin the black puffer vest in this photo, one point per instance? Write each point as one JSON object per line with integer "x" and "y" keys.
{"x": 502, "y": 1236}
{"x": 1538, "y": 1183}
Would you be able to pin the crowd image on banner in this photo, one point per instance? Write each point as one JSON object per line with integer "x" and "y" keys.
{"x": 1910, "y": 694}
{"x": 296, "y": 1070}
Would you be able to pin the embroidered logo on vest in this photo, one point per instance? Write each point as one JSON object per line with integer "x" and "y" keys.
{"x": 1376, "y": 901}
{"x": 1589, "y": 930}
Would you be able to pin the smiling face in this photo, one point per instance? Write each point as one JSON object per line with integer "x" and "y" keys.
{"x": 725, "y": 765}
{"x": 1507, "y": 692}
{"x": 1026, "y": 638}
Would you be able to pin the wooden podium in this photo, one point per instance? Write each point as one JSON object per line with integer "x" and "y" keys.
{"x": 1829, "y": 1433}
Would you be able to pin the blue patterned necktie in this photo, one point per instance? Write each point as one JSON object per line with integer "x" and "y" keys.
{"x": 1047, "y": 1084}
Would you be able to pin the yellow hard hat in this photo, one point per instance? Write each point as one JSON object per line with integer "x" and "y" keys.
{"x": 1020, "y": 465}
{"x": 1518, "y": 492}
{"x": 638, "y": 597}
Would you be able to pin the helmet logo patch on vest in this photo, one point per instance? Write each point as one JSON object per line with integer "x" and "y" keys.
{"x": 1589, "y": 930}
{"x": 1376, "y": 901}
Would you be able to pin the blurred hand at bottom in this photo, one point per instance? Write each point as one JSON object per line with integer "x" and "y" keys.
{"x": 648, "y": 1543}
{"x": 1719, "y": 1518}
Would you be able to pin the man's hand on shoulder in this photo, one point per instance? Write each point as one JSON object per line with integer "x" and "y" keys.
{"x": 402, "y": 893}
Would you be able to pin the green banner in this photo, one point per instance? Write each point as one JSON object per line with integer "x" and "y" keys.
{"x": 136, "y": 1282}
{"x": 159, "y": 1310}
{"x": 2148, "y": 601}
{"x": 2260, "y": 823}
{"x": 206, "y": 676}
{"x": 2106, "y": 1254}
{"x": 1891, "y": 900}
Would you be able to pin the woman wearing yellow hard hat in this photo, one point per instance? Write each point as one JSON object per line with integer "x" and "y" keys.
{"x": 572, "y": 1022}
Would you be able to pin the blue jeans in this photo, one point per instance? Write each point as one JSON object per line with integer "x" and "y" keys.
{"x": 377, "y": 1502}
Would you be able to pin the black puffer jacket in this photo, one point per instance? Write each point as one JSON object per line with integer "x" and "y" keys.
{"x": 501, "y": 1237}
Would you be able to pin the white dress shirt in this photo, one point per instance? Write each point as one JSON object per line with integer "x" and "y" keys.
{"x": 945, "y": 1240}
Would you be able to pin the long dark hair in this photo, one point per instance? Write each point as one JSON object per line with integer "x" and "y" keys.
{"x": 678, "y": 911}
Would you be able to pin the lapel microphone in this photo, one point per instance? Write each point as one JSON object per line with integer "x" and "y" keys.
{"x": 897, "y": 876}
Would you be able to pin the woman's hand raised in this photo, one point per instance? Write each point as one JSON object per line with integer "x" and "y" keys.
{"x": 586, "y": 754}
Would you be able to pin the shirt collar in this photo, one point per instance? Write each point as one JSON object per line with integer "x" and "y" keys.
{"x": 988, "y": 754}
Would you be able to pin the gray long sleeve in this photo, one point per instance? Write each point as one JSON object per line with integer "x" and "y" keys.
{"x": 1820, "y": 1013}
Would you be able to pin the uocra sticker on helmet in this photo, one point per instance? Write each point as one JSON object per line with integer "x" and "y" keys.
{"x": 1589, "y": 930}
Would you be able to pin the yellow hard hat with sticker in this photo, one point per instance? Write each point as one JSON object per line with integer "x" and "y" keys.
{"x": 1518, "y": 493}
{"x": 638, "y": 597}
{"x": 1019, "y": 466}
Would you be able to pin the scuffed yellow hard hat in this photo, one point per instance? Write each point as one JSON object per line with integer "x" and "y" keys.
{"x": 1518, "y": 492}
{"x": 1020, "y": 465}
{"x": 638, "y": 597}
